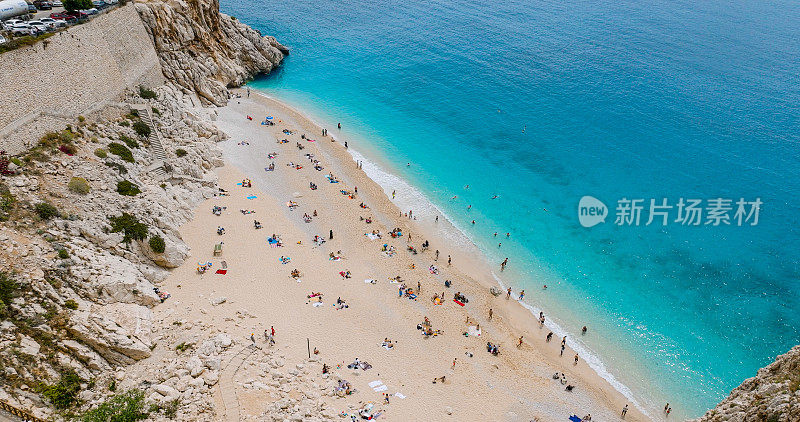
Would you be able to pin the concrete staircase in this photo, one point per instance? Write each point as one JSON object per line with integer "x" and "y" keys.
{"x": 157, "y": 170}
{"x": 226, "y": 387}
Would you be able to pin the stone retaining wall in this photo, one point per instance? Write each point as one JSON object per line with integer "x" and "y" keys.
{"x": 73, "y": 72}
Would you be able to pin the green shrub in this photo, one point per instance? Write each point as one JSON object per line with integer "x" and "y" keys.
{"x": 64, "y": 394}
{"x": 71, "y": 5}
{"x": 16, "y": 161}
{"x": 9, "y": 289}
{"x": 183, "y": 347}
{"x": 81, "y": 119}
{"x": 141, "y": 128}
{"x": 27, "y": 40}
{"x": 127, "y": 188}
{"x": 155, "y": 111}
{"x": 180, "y": 152}
{"x": 71, "y": 304}
{"x": 147, "y": 94}
{"x": 128, "y": 224}
{"x": 157, "y": 244}
{"x": 79, "y": 185}
{"x": 101, "y": 153}
{"x": 131, "y": 143}
{"x": 126, "y": 407}
{"x": 63, "y": 254}
{"x": 45, "y": 210}
{"x": 125, "y": 123}
{"x": 7, "y": 201}
{"x": 121, "y": 151}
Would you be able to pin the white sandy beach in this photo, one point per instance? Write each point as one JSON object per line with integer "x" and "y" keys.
{"x": 515, "y": 385}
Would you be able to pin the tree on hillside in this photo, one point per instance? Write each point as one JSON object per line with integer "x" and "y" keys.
{"x": 71, "y": 5}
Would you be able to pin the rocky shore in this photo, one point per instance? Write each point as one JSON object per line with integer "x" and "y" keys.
{"x": 89, "y": 229}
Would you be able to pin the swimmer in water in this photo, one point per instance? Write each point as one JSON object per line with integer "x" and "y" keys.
{"x": 495, "y": 197}
{"x": 454, "y": 197}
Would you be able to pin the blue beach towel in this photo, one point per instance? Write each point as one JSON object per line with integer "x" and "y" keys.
{"x": 252, "y": 197}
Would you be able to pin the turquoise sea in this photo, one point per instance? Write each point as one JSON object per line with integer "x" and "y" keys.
{"x": 543, "y": 102}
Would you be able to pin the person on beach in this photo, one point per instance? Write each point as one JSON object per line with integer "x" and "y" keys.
{"x": 331, "y": 235}
{"x": 522, "y": 294}
{"x": 419, "y": 288}
{"x": 437, "y": 255}
{"x": 503, "y": 264}
{"x": 508, "y": 293}
{"x": 437, "y": 219}
{"x": 449, "y": 260}
{"x": 624, "y": 410}
{"x": 393, "y": 193}
{"x": 666, "y": 407}
{"x": 519, "y": 343}
{"x": 339, "y": 125}
{"x": 248, "y": 92}
{"x": 345, "y": 144}
{"x": 454, "y": 363}
{"x": 549, "y": 337}
{"x": 583, "y": 332}
{"x": 253, "y": 338}
{"x": 576, "y": 358}
{"x": 490, "y": 314}
{"x": 564, "y": 341}
{"x": 562, "y": 350}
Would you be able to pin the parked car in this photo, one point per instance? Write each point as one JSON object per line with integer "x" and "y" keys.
{"x": 43, "y": 5}
{"x": 92, "y": 11}
{"x": 9, "y": 23}
{"x": 3, "y": 40}
{"x": 21, "y": 29}
{"x": 77, "y": 14}
{"x": 63, "y": 16}
{"x": 99, "y": 4}
{"x": 57, "y": 3}
{"x": 32, "y": 8}
{"x": 110, "y": 2}
{"x": 54, "y": 23}
{"x": 39, "y": 25}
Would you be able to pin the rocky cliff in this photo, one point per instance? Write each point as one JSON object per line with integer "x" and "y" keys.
{"x": 773, "y": 395}
{"x": 204, "y": 51}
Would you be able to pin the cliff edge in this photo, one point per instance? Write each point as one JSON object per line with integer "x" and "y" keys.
{"x": 773, "y": 395}
{"x": 203, "y": 51}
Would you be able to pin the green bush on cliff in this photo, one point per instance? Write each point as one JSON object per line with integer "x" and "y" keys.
{"x": 7, "y": 201}
{"x": 79, "y": 185}
{"x": 121, "y": 151}
{"x": 101, "y": 153}
{"x": 126, "y": 407}
{"x": 9, "y": 289}
{"x": 131, "y": 143}
{"x": 157, "y": 244}
{"x": 71, "y": 304}
{"x": 130, "y": 226}
{"x": 45, "y": 210}
{"x": 147, "y": 94}
{"x": 127, "y": 188}
{"x": 64, "y": 394}
{"x": 180, "y": 152}
{"x": 141, "y": 128}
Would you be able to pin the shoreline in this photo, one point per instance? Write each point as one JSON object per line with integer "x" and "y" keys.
{"x": 485, "y": 274}
{"x": 481, "y": 275}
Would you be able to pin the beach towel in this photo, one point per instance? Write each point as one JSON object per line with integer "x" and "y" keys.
{"x": 223, "y": 272}
{"x": 252, "y": 197}
{"x": 316, "y": 304}
{"x": 458, "y": 302}
{"x": 370, "y": 281}
{"x": 239, "y": 184}
{"x": 381, "y": 388}
{"x": 371, "y": 236}
{"x": 375, "y": 383}
{"x": 473, "y": 331}
{"x": 575, "y": 418}
{"x": 399, "y": 395}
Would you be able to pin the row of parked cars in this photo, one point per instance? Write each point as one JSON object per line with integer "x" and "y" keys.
{"x": 56, "y": 20}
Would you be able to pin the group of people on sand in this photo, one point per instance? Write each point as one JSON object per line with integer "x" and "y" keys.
{"x": 246, "y": 183}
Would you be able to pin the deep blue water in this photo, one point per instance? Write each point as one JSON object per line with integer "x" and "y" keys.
{"x": 635, "y": 99}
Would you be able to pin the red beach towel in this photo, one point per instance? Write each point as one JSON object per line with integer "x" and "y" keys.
{"x": 223, "y": 272}
{"x": 453, "y": 300}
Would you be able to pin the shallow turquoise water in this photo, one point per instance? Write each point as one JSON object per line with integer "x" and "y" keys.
{"x": 652, "y": 99}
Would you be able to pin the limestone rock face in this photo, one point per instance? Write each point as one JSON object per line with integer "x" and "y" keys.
{"x": 772, "y": 395}
{"x": 118, "y": 332}
{"x": 205, "y": 52}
